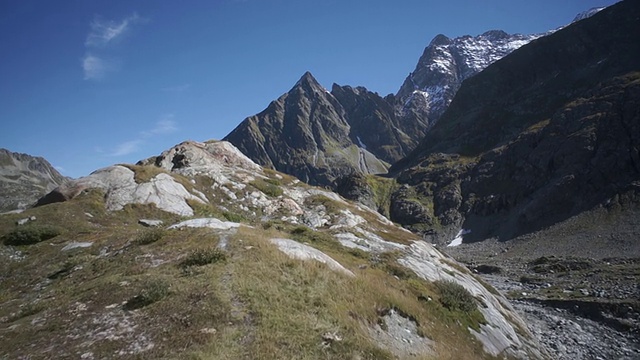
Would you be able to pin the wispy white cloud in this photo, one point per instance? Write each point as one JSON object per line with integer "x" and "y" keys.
{"x": 104, "y": 32}
{"x": 126, "y": 148}
{"x": 96, "y": 68}
{"x": 177, "y": 88}
{"x": 166, "y": 125}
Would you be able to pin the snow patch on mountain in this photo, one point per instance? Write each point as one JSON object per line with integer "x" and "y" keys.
{"x": 446, "y": 63}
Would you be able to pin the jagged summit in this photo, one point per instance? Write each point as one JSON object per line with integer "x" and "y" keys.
{"x": 307, "y": 80}
{"x": 495, "y": 35}
{"x": 440, "y": 39}
{"x": 320, "y": 136}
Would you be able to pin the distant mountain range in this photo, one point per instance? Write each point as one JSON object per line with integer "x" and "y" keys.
{"x": 321, "y": 136}
{"x": 24, "y": 179}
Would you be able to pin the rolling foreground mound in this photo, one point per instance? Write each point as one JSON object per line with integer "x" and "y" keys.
{"x": 200, "y": 253}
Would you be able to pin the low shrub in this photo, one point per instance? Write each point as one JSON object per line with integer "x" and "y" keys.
{"x": 201, "y": 257}
{"x": 455, "y": 297}
{"x": 149, "y": 236}
{"x": 31, "y": 234}
{"x": 233, "y": 217}
{"x": 154, "y": 291}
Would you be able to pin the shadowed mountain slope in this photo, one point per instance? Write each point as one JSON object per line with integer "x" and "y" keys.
{"x": 545, "y": 133}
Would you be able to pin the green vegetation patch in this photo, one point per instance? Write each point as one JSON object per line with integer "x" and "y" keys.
{"x": 149, "y": 236}
{"x": 454, "y": 296}
{"x": 201, "y": 257}
{"x": 267, "y": 187}
{"x": 233, "y": 217}
{"x": 30, "y": 234}
{"x": 330, "y": 205}
{"x": 382, "y": 189}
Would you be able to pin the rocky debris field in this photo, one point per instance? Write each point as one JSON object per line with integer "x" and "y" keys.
{"x": 577, "y": 307}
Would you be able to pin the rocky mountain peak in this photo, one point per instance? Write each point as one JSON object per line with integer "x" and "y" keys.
{"x": 359, "y": 130}
{"x": 495, "y": 35}
{"x": 307, "y": 80}
{"x": 305, "y": 133}
{"x": 440, "y": 39}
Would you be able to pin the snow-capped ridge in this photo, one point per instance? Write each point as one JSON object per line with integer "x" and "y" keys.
{"x": 586, "y": 14}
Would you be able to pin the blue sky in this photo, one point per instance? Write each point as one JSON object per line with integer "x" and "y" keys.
{"x": 90, "y": 83}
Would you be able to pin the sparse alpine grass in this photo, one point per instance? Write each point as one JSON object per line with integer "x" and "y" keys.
{"x": 270, "y": 188}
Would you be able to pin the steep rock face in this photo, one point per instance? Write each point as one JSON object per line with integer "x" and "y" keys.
{"x": 546, "y": 133}
{"x": 24, "y": 179}
{"x": 373, "y": 123}
{"x": 304, "y": 133}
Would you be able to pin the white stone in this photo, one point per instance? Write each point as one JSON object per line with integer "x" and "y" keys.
{"x": 372, "y": 242}
{"x": 75, "y": 245}
{"x": 304, "y": 252}
{"x": 212, "y": 223}
{"x": 150, "y": 222}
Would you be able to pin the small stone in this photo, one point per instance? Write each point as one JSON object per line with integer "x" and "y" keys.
{"x": 74, "y": 245}
{"x": 88, "y": 215}
{"x": 330, "y": 337}
{"x": 25, "y": 220}
{"x": 210, "y": 331}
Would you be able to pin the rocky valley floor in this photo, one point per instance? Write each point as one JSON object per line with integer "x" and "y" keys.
{"x": 580, "y": 307}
